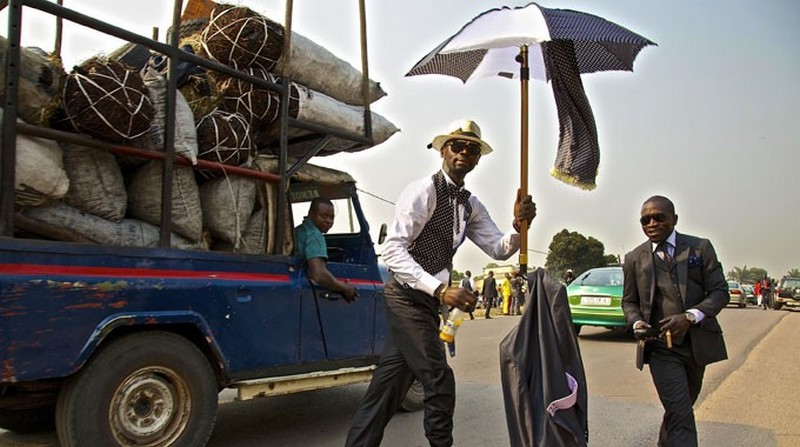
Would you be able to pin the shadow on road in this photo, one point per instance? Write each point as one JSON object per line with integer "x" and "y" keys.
{"x": 605, "y": 335}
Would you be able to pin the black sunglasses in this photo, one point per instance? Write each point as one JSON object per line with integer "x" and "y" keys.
{"x": 660, "y": 218}
{"x": 458, "y": 146}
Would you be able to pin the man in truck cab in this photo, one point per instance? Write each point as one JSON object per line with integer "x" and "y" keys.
{"x": 433, "y": 217}
{"x": 310, "y": 246}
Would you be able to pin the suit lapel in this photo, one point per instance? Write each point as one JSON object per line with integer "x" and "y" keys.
{"x": 648, "y": 268}
{"x": 682, "y": 263}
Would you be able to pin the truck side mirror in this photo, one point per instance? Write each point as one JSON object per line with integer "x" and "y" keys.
{"x": 382, "y": 234}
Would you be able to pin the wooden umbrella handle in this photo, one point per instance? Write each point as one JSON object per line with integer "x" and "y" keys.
{"x": 524, "y": 76}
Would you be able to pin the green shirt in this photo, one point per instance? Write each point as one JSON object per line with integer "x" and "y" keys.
{"x": 310, "y": 242}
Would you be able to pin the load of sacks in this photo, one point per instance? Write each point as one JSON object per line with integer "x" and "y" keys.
{"x": 74, "y": 193}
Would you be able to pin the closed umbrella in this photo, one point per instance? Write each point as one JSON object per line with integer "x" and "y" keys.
{"x": 541, "y": 370}
{"x": 555, "y": 45}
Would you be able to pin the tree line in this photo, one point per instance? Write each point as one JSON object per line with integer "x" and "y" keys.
{"x": 568, "y": 250}
{"x": 750, "y": 275}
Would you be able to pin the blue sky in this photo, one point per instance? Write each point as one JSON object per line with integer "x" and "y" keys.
{"x": 708, "y": 118}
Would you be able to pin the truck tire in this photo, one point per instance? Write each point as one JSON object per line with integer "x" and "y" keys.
{"x": 415, "y": 397}
{"x": 146, "y": 389}
{"x": 30, "y": 420}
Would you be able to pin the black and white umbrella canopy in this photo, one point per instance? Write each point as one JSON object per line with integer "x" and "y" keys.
{"x": 488, "y": 45}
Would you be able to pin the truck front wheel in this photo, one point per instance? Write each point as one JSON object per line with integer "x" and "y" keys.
{"x": 146, "y": 389}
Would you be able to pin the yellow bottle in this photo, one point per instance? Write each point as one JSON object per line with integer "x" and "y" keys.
{"x": 454, "y": 320}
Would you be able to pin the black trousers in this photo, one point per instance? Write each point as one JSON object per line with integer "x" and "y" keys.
{"x": 412, "y": 349}
{"x": 678, "y": 380}
{"x": 489, "y": 303}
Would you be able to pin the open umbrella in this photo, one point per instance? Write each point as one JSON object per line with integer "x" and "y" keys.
{"x": 549, "y": 44}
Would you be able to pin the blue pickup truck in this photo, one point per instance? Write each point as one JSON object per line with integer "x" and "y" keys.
{"x": 131, "y": 345}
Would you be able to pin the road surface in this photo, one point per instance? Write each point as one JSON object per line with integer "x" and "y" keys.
{"x": 749, "y": 400}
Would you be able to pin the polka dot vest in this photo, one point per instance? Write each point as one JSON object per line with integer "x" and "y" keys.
{"x": 433, "y": 249}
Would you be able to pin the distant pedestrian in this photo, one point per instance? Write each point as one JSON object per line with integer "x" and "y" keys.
{"x": 766, "y": 293}
{"x": 569, "y": 276}
{"x": 467, "y": 283}
{"x": 517, "y": 293}
{"x": 489, "y": 292}
{"x": 505, "y": 292}
{"x": 757, "y": 292}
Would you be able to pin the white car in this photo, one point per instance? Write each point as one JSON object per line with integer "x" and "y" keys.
{"x": 750, "y": 293}
{"x": 738, "y": 296}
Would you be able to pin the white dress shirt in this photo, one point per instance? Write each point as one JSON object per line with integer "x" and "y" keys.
{"x": 414, "y": 208}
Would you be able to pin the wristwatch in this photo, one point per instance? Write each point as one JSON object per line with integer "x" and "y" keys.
{"x": 691, "y": 317}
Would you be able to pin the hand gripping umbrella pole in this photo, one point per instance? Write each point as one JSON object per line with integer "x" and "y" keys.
{"x": 524, "y": 75}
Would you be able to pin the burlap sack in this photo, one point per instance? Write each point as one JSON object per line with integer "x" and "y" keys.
{"x": 62, "y": 222}
{"x": 314, "y": 66}
{"x": 144, "y": 199}
{"x": 39, "y": 175}
{"x": 254, "y": 239}
{"x": 185, "y": 131}
{"x": 315, "y": 107}
{"x": 96, "y": 184}
{"x": 227, "y": 203}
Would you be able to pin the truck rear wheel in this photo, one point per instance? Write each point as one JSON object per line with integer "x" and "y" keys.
{"x": 146, "y": 389}
{"x": 415, "y": 397}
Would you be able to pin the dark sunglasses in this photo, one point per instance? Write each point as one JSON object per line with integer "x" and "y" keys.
{"x": 660, "y": 218}
{"x": 458, "y": 146}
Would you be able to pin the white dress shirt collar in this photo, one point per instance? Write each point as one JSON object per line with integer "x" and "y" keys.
{"x": 670, "y": 244}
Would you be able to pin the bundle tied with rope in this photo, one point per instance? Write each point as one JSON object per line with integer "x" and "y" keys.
{"x": 200, "y": 88}
{"x": 259, "y": 105}
{"x": 241, "y": 38}
{"x": 223, "y": 137}
{"x": 108, "y": 100}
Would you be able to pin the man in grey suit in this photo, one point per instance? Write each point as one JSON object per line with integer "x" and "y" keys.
{"x": 489, "y": 292}
{"x": 675, "y": 283}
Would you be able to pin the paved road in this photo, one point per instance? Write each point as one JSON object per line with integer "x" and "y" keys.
{"x": 749, "y": 400}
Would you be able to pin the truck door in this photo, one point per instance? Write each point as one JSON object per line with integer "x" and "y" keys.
{"x": 342, "y": 330}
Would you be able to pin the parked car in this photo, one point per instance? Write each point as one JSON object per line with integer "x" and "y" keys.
{"x": 750, "y": 293}
{"x": 595, "y": 299}
{"x": 787, "y": 293}
{"x": 737, "y": 294}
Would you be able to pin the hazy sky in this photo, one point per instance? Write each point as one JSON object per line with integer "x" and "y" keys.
{"x": 708, "y": 118}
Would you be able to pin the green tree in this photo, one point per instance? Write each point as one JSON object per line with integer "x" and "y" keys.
{"x": 492, "y": 265}
{"x": 747, "y": 275}
{"x": 793, "y": 272}
{"x": 612, "y": 259}
{"x": 572, "y": 250}
{"x": 457, "y": 276}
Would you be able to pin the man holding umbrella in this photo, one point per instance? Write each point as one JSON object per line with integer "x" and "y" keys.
{"x": 433, "y": 216}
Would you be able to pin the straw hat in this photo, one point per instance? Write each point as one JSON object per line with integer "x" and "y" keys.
{"x": 462, "y": 130}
